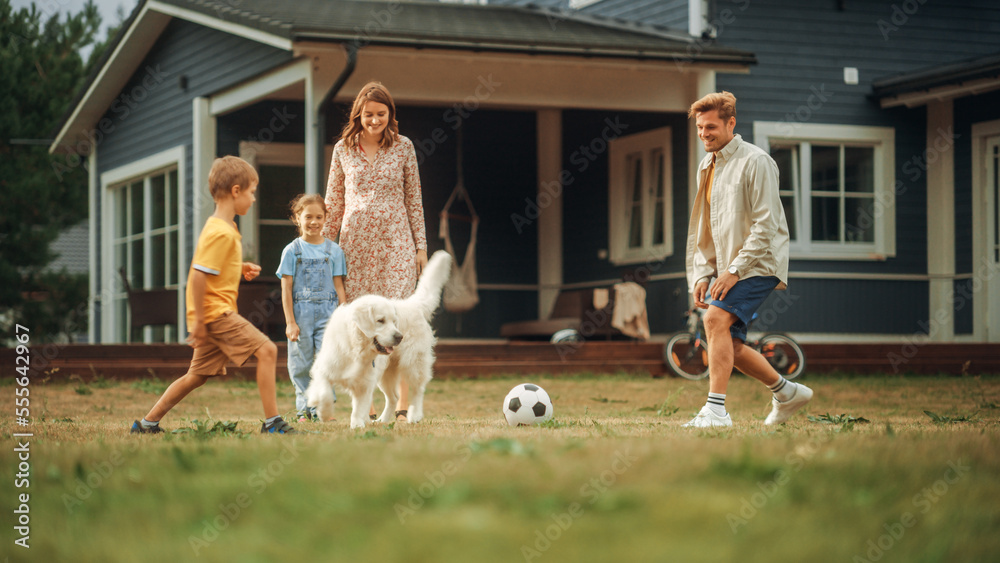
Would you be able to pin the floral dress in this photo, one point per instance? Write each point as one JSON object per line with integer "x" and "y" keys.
{"x": 378, "y": 211}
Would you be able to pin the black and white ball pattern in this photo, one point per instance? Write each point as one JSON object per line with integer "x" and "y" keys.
{"x": 527, "y": 404}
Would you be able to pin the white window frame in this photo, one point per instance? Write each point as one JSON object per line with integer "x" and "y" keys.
{"x": 883, "y": 141}
{"x": 619, "y": 197}
{"x": 112, "y": 289}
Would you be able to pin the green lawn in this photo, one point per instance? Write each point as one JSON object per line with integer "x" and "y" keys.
{"x": 612, "y": 478}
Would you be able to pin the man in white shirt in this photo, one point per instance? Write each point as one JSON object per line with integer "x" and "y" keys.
{"x": 739, "y": 236}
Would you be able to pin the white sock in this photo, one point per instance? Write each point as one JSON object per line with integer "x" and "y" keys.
{"x": 784, "y": 390}
{"x": 270, "y": 421}
{"x": 717, "y": 403}
{"x": 147, "y": 424}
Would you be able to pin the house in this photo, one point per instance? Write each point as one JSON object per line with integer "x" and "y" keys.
{"x": 884, "y": 118}
{"x": 576, "y": 147}
{"x": 545, "y": 104}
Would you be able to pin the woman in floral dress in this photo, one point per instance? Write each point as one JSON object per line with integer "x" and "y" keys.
{"x": 374, "y": 204}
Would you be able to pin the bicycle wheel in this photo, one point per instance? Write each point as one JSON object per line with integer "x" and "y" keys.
{"x": 686, "y": 356}
{"x": 783, "y": 353}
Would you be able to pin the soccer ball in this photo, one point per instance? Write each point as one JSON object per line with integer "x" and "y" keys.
{"x": 566, "y": 336}
{"x": 527, "y": 404}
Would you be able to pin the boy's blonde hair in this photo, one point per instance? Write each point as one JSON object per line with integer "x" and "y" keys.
{"x": 227, "y": 172}
{"x": 723, "y": 101}
{"x": 300, "y": 202}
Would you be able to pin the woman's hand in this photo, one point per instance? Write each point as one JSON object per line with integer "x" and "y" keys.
{"x": 421, "y": 261}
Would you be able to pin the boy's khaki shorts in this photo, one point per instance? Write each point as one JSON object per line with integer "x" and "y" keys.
{"x": 230, "y": 337}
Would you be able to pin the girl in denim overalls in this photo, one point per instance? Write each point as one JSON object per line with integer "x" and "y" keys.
{"x": 312, "y": 274}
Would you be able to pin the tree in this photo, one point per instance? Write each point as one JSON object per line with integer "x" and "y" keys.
{"x": 41, "y": 70}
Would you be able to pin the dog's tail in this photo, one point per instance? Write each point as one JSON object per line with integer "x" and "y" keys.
{"x": 427, "y": 297}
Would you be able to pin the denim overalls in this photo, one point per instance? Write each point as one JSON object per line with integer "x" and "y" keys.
{"x": 313, "y": 300}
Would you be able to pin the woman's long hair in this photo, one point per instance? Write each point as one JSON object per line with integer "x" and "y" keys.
{"x": 371, "y": 92}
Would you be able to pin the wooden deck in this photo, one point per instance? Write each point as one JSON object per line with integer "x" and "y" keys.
{"x": 473, "y": 359}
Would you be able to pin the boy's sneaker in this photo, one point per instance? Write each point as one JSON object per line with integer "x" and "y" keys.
{"x": 782, "y": 411}
{"x": 137, "y": 428}
{"x": 279, "y": 426}
{"x": 708, "y": 419}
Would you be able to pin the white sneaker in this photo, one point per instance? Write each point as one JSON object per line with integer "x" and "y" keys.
{"x": 782, "y": 411}
{"x": 708, "y": 419}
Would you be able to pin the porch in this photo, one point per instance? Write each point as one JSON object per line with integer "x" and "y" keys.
{"x": 458, "y": 358}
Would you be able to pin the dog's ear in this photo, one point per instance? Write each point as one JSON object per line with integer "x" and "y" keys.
{"x": 364, "y": 318}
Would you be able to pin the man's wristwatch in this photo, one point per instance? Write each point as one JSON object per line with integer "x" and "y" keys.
{"x": 734, "y": 271}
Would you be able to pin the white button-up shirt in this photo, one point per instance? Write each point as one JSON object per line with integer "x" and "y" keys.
{"x": 747, "y": 221}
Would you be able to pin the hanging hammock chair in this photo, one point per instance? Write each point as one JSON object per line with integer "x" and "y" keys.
{"x": 461, "y": 292}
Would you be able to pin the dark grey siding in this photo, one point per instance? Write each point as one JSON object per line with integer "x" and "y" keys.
{"x": 847, "y": 306}
{"x": 151, "y": 118}
{"x": 799, "y": 78}
{"x": 802, "y": 47}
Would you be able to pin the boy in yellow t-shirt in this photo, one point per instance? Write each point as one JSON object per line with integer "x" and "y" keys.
{"x": 218, "y": 332}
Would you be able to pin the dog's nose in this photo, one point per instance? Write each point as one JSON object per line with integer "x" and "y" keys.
{"x": 398, "y": 337}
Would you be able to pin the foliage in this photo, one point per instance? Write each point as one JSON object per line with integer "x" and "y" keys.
{"x": 205, "y": 429}
{"x": 592, "y": 485}
{"x": 151, "y": 385}
{"x": 41, "y": 69}
{"x": 943, "y": 419}
{"x": 845, "y": 421}
{"x": 827, "y": 418}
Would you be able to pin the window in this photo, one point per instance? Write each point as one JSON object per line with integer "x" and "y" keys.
{"x": 279, "y": 185}
{"x": 640, "y": 197}
{"x": 267, "y": 228}
{"x": 836, "y": 186}
{"x": 144, "y": 242}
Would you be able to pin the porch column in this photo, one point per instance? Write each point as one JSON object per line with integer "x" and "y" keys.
{"x": 549, "y": 190}
{"x": 941, "y": 220}
{"x": 203, "y": 153}
{"x": 93, "y": 189}
{"x": 313, "y": 144}
{"x": 201, "y": 204}
{"x": 704, "y": 84}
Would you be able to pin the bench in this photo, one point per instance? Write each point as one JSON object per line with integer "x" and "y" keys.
{"x": 573, "y": 309}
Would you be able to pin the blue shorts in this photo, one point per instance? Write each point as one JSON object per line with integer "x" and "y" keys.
{"x": 743, "y": 300}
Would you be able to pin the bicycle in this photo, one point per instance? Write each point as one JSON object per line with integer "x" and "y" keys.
{"x": 686, "y": 353}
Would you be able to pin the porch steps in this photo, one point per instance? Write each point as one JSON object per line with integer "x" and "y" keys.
{"x": 492, "y": 358}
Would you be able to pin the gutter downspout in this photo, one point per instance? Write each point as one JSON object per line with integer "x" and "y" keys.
{"x": 352, "y": 60}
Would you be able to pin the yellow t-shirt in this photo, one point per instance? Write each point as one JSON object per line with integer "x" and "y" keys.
{"x": 220, "y": 255}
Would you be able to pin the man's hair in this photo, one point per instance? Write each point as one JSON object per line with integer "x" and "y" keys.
{"x": 227, "y": 172}
{"x": 723, "y": 101}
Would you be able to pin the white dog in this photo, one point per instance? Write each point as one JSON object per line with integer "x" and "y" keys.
{"x": 375, "y": 341}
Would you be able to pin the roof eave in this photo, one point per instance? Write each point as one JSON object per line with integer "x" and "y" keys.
{"x": 915, "y": 98}
{"x": 138, "y": 34}
{"x": 721, "y": 57}
{"x": 938, "y": 83}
